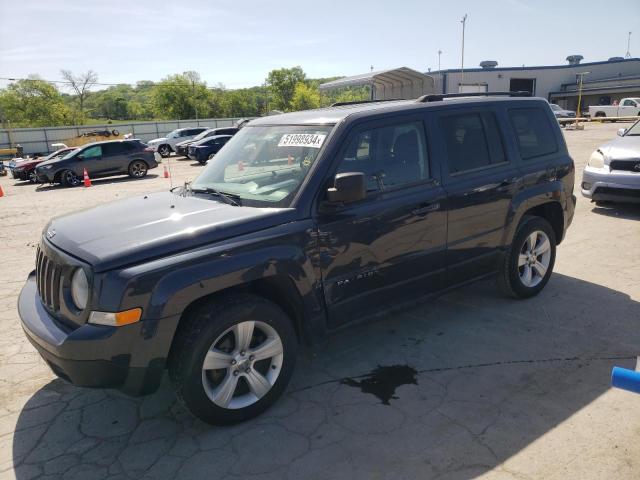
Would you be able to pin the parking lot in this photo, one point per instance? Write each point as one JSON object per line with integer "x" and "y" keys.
{"x": 471, "y": 385}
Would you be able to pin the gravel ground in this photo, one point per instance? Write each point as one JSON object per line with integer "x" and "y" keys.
{"x": 493, "y": 388}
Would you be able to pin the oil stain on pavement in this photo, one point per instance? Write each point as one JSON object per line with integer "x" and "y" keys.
{"x": 383, "y": 381}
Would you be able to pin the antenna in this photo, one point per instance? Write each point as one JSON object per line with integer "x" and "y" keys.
{"x": 628, "y": 55}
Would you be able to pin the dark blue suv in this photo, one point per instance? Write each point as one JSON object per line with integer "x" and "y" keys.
{"x": 302, "y": 223}
{"x": 205, "y": 149}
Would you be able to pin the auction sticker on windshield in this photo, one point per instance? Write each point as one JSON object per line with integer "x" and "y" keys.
{"x": 311, "y": 140}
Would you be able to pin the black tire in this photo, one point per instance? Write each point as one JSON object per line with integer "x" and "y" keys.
{"x": 509, "y": 280}
{"x": 69, "y": 179}
{"x": 197, "y": 334}
{"x": 138, "y": 169}
{"x": 164, "y": 150}
{"x": 115, "y": 132}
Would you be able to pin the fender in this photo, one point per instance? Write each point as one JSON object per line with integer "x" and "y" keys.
{"x": 532, "y": 197}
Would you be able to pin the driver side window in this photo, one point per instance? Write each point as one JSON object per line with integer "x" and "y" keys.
{"x": 92, "y": 152}
{"x": 389, "y": 156}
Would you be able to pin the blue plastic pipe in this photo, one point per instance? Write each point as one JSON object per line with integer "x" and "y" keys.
{"x": 625, "y": 379}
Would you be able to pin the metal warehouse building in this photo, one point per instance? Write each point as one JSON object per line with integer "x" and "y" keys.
{"x": 605, "y": 81}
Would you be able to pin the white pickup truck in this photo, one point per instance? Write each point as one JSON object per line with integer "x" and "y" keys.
{"x": 629, "y": 107}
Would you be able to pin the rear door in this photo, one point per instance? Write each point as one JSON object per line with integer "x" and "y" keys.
{"x": 480, "y": 180}
{"x": 115, "y": 157}
{"x": 389, "y": 247}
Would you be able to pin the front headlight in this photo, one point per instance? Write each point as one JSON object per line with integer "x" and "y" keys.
{"x": 46, "y": 167}
{"x": 596, "y": 160}
{"x": 80, "y": 289}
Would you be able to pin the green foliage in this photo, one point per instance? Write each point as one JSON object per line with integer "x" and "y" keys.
{"x": 180, "y": 96}
{"x": 33, "y": 103}
{"x": 305, "y": 97}
{"x": 282, "y": 84}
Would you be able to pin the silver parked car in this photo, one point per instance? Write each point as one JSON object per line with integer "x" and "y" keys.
{"x": 613, "y": 171}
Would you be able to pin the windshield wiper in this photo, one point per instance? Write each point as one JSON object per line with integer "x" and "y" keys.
{"x": 229, "y": 198}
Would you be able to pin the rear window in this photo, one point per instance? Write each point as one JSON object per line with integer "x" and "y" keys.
{"x": 473, "y": 141}
{"x": 533, "y": 132}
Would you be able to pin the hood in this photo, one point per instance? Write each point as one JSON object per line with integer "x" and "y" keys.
{"x": 157, "y": 140}
{"x": 622, "y": 148}
{"x": 142, "y": 228}
{"x": 184, "y": 143}
{"x": 28, "y": 163}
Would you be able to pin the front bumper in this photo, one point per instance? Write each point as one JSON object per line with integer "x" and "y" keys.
{"x": 602, "y": 184}
{"x": 125, "y": 358}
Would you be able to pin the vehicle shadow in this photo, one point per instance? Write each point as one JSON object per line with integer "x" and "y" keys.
{"x": 43, "y": 187}
{"x": 487, "y": 376}
{"x": 628, "y": 211}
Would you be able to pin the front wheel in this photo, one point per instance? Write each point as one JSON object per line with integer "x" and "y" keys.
{"x": 69, "y": 179}
{"x": 232, "y": 358}
{"x": 529, "y": 261}
{"x": 33, "y": 178}
{"x": 138, "y": 169}
{"x": 164, "y": 151}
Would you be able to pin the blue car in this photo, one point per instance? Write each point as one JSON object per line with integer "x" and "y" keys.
{"x": 206, "y": 148}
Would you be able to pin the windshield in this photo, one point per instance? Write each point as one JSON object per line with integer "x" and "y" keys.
{"x": 69, "y": 154}
{"x": 264, "y": 165}
{"x": 555, "y": 108}
{"x": 173, "y": 134}
{"x": 634, "y": 130}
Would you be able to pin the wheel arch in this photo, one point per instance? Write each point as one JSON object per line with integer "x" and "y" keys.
{"x": 550, "y": 210}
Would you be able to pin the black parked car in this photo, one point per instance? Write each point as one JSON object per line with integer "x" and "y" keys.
{"x": 206, "y": 148}
{"x": 302, "y": 223}
{"x": 182, "y": 148}
{"x": 100, "y": 159}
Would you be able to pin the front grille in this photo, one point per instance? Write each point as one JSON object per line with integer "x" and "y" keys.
{"x": 625, "y": 165}
{"x": 48, "y": 276}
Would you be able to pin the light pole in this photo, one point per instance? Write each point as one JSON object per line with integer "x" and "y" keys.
{"x": 580, "y": 79}
{"x": 464, "y": 24}
{"x": 628, "y": 55}
{"x": 440, "y": 71}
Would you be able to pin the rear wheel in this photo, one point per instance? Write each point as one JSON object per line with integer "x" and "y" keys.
{"x": 233, "y": 358}
{"x": 164, "y": 151}
{"x": 529, "y": 261}
{"x": 69, "y": 179}
{"x": 138, "y": 169}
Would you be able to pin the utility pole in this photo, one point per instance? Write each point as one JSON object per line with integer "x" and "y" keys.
{"x": 440, "y": 72}
{"x": 439, "y": 53}
{"x": 628, "y": 55}
{"x": 464, "y": 24}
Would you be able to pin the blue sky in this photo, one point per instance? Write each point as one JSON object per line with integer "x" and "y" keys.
{"x": 237, "y": 43}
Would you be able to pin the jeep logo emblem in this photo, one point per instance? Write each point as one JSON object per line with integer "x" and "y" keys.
{"x": 51, "y": 233}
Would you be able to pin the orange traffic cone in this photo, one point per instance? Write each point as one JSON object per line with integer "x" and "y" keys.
{"x": 87, "y": 180}
{"x": 1, "y": 192}
{"x": 240, "y": 166}
{"x": 166, "y": 172}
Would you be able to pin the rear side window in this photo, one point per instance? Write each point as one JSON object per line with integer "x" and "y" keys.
{"x": 473, "y": 141}
{"x": 533, "y": 132}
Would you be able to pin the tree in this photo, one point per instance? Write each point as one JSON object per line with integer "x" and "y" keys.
{"x": 33, "y": 102}
{"x": 305, "y": 97}
{"x": 282, "y": 84}
{"x": 181, "y": 96}
{"x": 80, "y": 84}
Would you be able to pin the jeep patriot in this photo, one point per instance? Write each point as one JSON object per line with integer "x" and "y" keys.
{"x": 302, "y": 223}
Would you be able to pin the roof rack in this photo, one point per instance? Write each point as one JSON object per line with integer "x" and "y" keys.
{"x": 356, "y": 102}
{"x": 439, "y": 97}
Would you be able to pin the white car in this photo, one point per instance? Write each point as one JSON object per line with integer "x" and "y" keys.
{"x": 165, "y": 145}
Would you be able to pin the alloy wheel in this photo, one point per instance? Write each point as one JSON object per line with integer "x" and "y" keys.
{"x": 534, "y": 258}
{"x": 242, "y": 364}
{"x": 138, "y": 169}
{"x": 71, "y": 178}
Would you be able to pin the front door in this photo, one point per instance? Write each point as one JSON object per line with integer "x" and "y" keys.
{"x": 389, "y": 247}
{"x": 91, "y": 161}
{"x": 480, "y": 181}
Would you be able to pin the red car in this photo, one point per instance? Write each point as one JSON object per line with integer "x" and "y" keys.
{"x": 26, "y": 169}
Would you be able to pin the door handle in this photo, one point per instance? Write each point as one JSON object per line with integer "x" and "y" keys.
{"x": 425, "y": 208}
{"x": 506, "y": 183}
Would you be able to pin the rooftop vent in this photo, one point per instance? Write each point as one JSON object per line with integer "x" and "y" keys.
{"x": 487, "y": 64}
{"x": 615, "y": 59}
{"x": 574, "y": 59}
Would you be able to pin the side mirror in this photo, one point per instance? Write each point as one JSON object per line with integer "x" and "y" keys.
{"x": 348, "y": 187}
{"x": 621, "y": 131}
